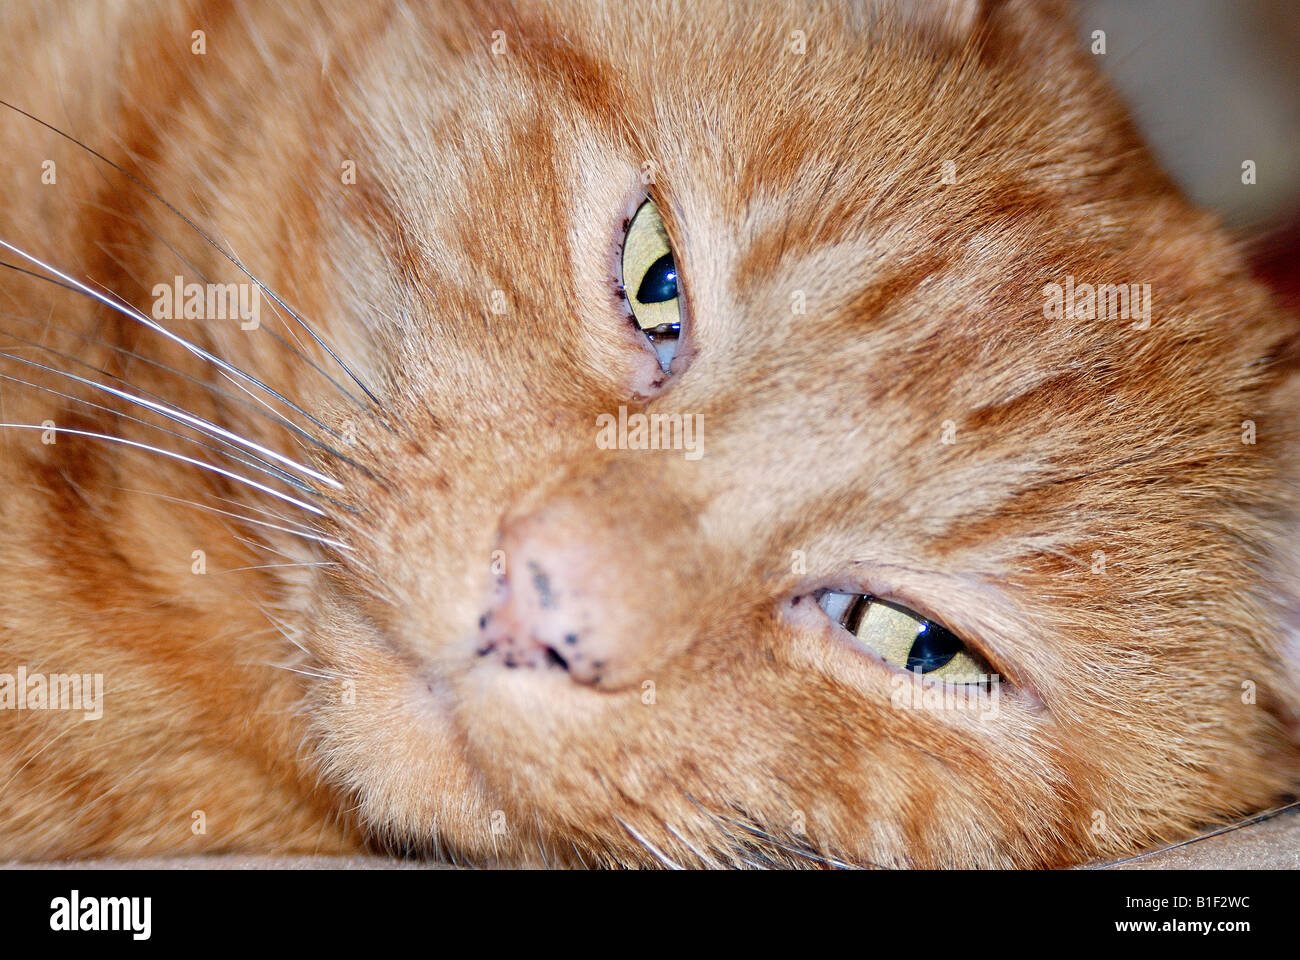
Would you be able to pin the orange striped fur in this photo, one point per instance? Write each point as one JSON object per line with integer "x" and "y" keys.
{"x": 918, "y": 429}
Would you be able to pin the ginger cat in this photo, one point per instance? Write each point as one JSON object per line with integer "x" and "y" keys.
{"x": 657, "y": 433}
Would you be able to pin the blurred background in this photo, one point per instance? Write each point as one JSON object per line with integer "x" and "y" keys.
{"x": 1214, "y": 83}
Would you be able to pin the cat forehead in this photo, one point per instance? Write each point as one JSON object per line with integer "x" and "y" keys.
{"x": 826, "y": 119}
{"x": 783, "y": 82}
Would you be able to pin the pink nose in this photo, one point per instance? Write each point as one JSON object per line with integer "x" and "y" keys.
{"x": 557, "y": 606}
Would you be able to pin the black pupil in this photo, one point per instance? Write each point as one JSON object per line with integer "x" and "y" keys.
{"x": 659, "y": 284}
{"x": 933, "y": 647}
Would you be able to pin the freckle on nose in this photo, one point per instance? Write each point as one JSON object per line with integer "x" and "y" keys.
{"x": 542, "y": 584}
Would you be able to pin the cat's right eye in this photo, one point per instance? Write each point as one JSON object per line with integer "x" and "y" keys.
{"x": 904, "y": 639}
{"x": 649, "y": 281}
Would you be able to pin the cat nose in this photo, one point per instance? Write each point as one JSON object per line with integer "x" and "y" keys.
{"x": 551, "y": 608}
{"x": 576, "y": 596}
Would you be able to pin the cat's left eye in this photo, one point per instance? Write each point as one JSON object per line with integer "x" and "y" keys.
{"x": 903, "y": 638}
{"x": 649, "y": 280}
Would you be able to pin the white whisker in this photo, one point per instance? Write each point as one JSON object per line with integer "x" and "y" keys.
{"x": 269, "y": 411}
{"x": 272, "y": 566}
{"x": 180, "y": 416}
{"x": 256, "y": 463}
{"x": 297, "y": 532}
{"x": 305, "y": 673}
{"x": 661, "y": 857}
{"x": 129, "y": 311}
{"x": 216, "y": 246}
{"x": 175, "y": 456}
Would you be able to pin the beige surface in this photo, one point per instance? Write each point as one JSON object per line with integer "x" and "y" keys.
{"x": 1271, "y": 845}
{"x": 235, "y": 861}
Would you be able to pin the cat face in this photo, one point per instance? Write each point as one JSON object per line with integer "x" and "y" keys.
{"x": 966, "y": 537}
{"x": 567, "y": 645}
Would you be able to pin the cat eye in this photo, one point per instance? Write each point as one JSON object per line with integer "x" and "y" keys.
{"x": 904, "y": 639}
{"x": 650, "y": 284}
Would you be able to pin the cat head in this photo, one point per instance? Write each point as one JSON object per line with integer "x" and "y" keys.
{"x": 959, "y": 381}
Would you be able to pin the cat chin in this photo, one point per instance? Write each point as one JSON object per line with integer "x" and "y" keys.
{"x": 399, "y": 755}
{"x": 418, "y": 741}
